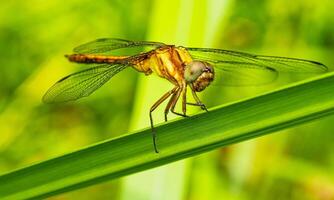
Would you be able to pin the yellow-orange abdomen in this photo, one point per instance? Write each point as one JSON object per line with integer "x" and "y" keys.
{"x": 83, "y": 58}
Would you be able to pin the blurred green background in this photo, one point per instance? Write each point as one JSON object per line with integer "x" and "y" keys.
{"x": 34, "y": 35}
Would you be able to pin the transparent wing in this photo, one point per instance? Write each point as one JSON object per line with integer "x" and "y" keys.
{"x": 82, "y": 83}
{"x": 242, "y": 74}
{"x": 105, "y": 45}
{"x": 280, "y": 64}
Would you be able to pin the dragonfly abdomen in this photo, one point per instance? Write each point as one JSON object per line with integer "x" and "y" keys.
{"x": 83, "y": 58}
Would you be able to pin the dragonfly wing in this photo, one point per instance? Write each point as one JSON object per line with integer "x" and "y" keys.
{"x": 284, "y": 64}
{"x": 105, "y": 45}
{"x": 82, "y": 83}
{"x": 280, "y": 64}
{"x": 242, "y": 74}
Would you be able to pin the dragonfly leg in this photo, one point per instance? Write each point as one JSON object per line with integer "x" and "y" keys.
{"x": 203, "y": 107}
{"x": 170, "y": 102}
{"x": 155, "y": 105}
{"x": 184, "y": 100}
{"x": 198, "y": 101}
{"x": 176, "y": 98}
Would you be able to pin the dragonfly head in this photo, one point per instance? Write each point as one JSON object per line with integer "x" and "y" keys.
{"x": 199, "y": 74}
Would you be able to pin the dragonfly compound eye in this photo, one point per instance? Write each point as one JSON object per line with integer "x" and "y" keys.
{"x": 200, "y": 74}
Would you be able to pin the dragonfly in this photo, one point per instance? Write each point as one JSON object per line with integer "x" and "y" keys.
{"x": 184, "y": 67}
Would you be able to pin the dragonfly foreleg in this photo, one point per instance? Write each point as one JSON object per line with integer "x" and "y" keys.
{"x": 198, "y": 101}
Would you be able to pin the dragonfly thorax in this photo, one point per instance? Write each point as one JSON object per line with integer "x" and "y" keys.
{"x": 199, "y": 74}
